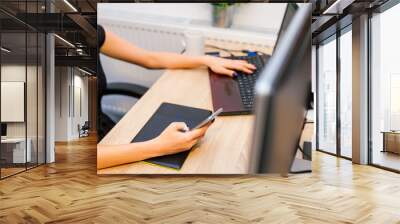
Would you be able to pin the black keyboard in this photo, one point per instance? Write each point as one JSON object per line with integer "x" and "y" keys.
{"x": 247, "y": 82}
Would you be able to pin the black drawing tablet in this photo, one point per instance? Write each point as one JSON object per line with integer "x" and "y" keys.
{"x": 165, "y": 115}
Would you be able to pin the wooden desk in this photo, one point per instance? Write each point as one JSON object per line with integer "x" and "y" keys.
{"x": 391, "y": 141}
{"x": 224, "y": 149}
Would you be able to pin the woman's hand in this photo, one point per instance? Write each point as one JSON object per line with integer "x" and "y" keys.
{"x": 228, "y": 67}
{"x": 177, "y": 138}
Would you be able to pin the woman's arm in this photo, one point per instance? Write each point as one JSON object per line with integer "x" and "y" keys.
{"x": 112, "y": 155}
{"x": 121, "y": 49}
{"x": 175, "y": 138}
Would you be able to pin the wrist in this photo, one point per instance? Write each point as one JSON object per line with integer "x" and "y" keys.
{"x": 155, "y": 147}
{"x": 206, "y": 60}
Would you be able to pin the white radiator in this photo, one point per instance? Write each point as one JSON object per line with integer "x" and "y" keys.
{"x": 155, "y": 38}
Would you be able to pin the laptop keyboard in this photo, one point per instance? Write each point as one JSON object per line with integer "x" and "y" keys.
{"x": 247, "y": 82}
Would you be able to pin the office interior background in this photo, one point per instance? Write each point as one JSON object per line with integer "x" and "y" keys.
{"x": 48, "y": 76}
{"x": 335, "y": 77}
{"x": 46, "y": 89}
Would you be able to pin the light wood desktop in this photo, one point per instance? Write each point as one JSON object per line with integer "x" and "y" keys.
{"x": 224, "y": 149}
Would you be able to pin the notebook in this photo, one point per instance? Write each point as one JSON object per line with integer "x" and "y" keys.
{"x": 165, "y": 115}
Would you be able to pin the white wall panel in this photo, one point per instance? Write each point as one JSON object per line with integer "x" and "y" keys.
{"x": 12, "y": 101}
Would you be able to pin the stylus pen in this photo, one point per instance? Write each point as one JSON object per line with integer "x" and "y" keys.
{"x": 184, "y": 130}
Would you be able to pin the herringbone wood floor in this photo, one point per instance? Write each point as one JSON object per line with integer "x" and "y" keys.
{"x": 70, "y": 192}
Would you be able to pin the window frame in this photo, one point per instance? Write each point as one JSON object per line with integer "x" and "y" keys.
{"x": 378, "y": 10}
{"x": 27, "y": 29}
{"x": 333, "y": 37}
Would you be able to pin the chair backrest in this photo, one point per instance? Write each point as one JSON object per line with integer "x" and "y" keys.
{"x": 86, "y": 125}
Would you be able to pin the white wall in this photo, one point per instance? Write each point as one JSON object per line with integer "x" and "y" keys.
{"x": 15, "y": 73}
{"x": 33, "y": 127}
{"x": 70, "y": 83}
{"x": 262, "y": 16}
{"x": 12, "y": 101}
{"x": 62, "y": 81}
{"x": 80, "y": 94}
{"x": 259, "y": 15}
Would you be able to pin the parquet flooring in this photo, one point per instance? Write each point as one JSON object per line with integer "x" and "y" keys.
{"x": 69, "y": 191}
{"x": 10, "y": 171}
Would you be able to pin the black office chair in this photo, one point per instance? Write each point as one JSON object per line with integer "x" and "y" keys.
{"x": 84, "y": 129}
{"x": 105, "y": 123}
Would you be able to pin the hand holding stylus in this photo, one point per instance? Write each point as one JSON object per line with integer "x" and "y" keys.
{"x": 177, "y": 138}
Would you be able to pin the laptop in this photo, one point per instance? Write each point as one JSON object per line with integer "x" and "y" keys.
{"x": 236, "y": 95}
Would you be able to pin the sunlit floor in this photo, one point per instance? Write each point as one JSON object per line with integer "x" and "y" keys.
{"x": 386, "y": 159}
{"x": 8, "y": 171}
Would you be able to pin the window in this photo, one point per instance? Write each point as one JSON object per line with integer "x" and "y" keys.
{"x": 346, "y": 93}
{"x": 22, "y": 66}
{"x": 385, "y": 89}
{"x": 334, "y": 95}
{"x": 327, "y": 96}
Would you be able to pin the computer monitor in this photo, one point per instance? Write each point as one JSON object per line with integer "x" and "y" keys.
{"x": 3, "y": 129}
{"x": 281, "y": 96}
{"x": 290, "y": 11}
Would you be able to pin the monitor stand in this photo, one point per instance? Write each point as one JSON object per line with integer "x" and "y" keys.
{"x": 301, "y": 166}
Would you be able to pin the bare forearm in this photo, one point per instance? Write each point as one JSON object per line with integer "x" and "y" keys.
{"x": 113, "y": 155}
{"x": 176, "y": 61}
{"x": 118, "y": 48}
{"x": 121, "y": 49}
